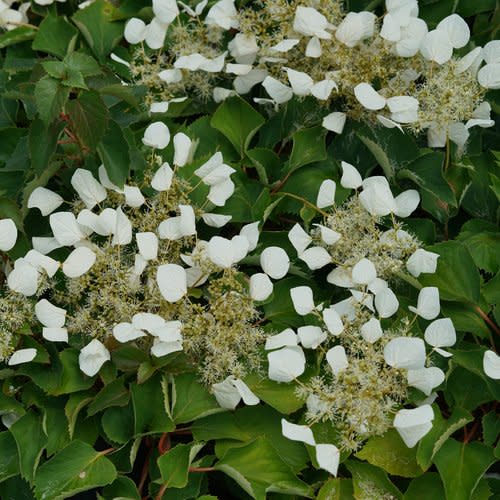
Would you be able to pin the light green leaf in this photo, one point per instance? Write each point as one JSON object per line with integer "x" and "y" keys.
{"x": 50, "y": 97}
{"x": 308, "y": 147}
{"x": 17, "y": 35}
{"x": 174, "y": 464}
{"x": 82, "y": 63}
{"x": 76, "y": 468}
{"x": 371, "y": 482}
{"x": 55, "y": 35}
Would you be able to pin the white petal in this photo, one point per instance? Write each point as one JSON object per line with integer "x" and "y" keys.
{"x": 371, "y": 331}
{"x": 340, "y": 277}
{"x": 457, "y": 30}
{"x": 441, "y": 333}
{"x": 337, "y": 359}
{"x": 355, "y": 26}
{"x": 285, "y": 45}
{"x": 334, "y": 121}
{"x": 491, "y": 365}
{"x": 274, "y": 262}
{"x": 42, "y": 262}
{"x": 422, "y": 261}
{"x": 135, "y": 31}
{"x": 407, "y": 202}
{"x": 286, "y": 338}
{"x": 187, "y": 222}
{"x": 171, "y": 331}
{"x": 148, "y": 245}
{"x": 155, "y": 34}
{"x": 78, "y": 262}
{"x": 316, "y": 257}
{"x": 50, "y": 315}
{"x": 105, "y": 180}
{"x": 251, "y": 233}
{"x": 310, "y": 22}
{"x": 299, "y": 238}
{"x": 261, "y": 287}
{"x": 22, "y": 356}
{"x": 322, "y": 90}
{"x": 240, "y": 248}
{"x": 279, "y": 92}
{"x": 428, "y": 306}
{"x": 243, "y": 84}
{"x": 23, "y": 278}
{"x": 301, "y": 82}
{"x": 368, "y": 97}
{"x": 302, "y": 298}
{"x": 364, "y": 272}
{"x": 90, "y": 191}
{"x": 329, "y": 236}
{"x": 377, "y": 285}
{"x": 170, "y": 229}
{"x": 404, "y": 108}
{"x": 123, "y": 230}
{"x": 160, "y": 348}
{"x": 405, "y": 352}
{"x": 159, "y": 107}
{"x": 313, "y": 48}
{"x": 171, "y": 279}
{"x": 216, "y": 220}
{"x": 414, "y": 424}
{"x": 133, "y": 196}
{"x": 387, "y": 123}
{"x": 436, "y": 46}
{"x": 286, "y": 364}
{"x": 333, "y": 321}
{"x": 45, "y": 200}
{"x": 226, "y": 394}
{"x": 220, "y": 193}
{"x": 223, "y": 14}
{"x": 489, "y": 76}
{"x": 65, "y": 228}
{"x": 125, "y": 332}
{"x": 326, "y": 194}
{"x": 156, "y": 136}
{"x": 471, "y": 61}
{"x": 92, "y": 357}
{"x": 44, "y": 245}
{"x": 425, "y": 379}
{"x": 491, "y": 52}
{"x": 391, "y": 28}
{"x": 363, "y": 298}
{"x": 328, "y": 457}
{"x": 311, "y": 336}
{"x": 147, "y": 321}
{"x": 296, "y": 432}
{"x": 221, "y": 252}
{"x": 386, "y": 303}
{"x": 8, "y": 235}
{"x": 165, "y": 10}
{"x": 182, "y": 149}
{"x": 55, "y": 334}
{"x": 244, "y": 48}
{"x": 172, "y": 75}
{"x": 248, "y": 397}
{"x": 351, "y": 178}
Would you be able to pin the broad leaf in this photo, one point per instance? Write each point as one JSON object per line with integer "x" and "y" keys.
{"x": 55, "y": 35}
{"x": 50, "y": 97}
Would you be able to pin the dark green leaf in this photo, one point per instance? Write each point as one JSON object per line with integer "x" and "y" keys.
{"x": 174, "y": 464}
{"x": 50, "y": 98}
{"x": 336, "y": 489}
{"x": 83, "y": 63}
{"x": 118, "y": 423}
{"x": 9, "y": 461}
{"x": 113, "y": 394}
{"x": 308, "y": 147}
{"x": 17, "y": 35}
{"x": 55, "y": 35}
{"x": 428, "y": 486}
{"x": 43, "y": 143}
{"x": 368, "y": 478}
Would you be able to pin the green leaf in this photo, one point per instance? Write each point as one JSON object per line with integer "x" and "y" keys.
{"x": 76, "y": 468}
{"x": 461, "y": 466}
{"x": 9, "y": 460}
{"x": 246, "y": 424}
{"x": 89, "y": 118}
{"x": 266, "y": 162}
{"x": 491, "y": 427}
{"x": 174, "y": 464}
{"x": 43, "y": 143}
{"x": 122, "y": 488}
{"x": 96, "y": 26}
{"x": 456, "y": 276}
{"x": 371, "y": 482}
{"x": 259, "y": 469}
{"x": 76, "y": 402}
{"x": 336, "y": 489}
{"x": 114, "y": 152}
{"x": 17, "y": 35}
{"x": 441, "y": 430}
{"x": 50, "y": 97}
{"x": 118, "y": 423}
{"x": 428, "y": 486}
{"x": 308, "y": 147}
{"x": 56, "y": 69}
{"x": 191, "y": 400}
{"x": 113, "y": 394}
{"x": 238, "y": 121}
{"x": 390, "y": 453}
{"x": 55, "y": 35}
{"x": 83, "y": 63}
{"x": 30, "y": 441}
{"x": 150, "y": 407}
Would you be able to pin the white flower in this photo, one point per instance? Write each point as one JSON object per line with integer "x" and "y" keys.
{"x": 165, "y": 10}
{"x": 316, "y": 257}
{"x": 122, "y": 234}
{"x": 178, "y": 227}
{"x": 386, "y": 303}
{"x": 162, "y": 179}
{"x": 8, "y": 235}
{"x": 489, "y": 76}
{"x": 441, "y": 333}
{"x": 251, "y": 233}
{"x": 299, "y": 238}
{"x": 311, "y": 336}
{"x": 351, "y": 178}
{"x": 286, "y": 338}
{"x": 413, "y": 425}
{"x": 78, "y": 262}
{"x": 22, "y": 356}
{"x": 368, "y": 97}
{"x": 340, "y": 277}
{"x": 377, "y": 199}
{"x": 406, "y": 203}
{"x": 355, "y": 27}
{"x": 456, "y": 29}
{"x": 160, "y": 348}
{"x": 302, "y": 298}
{"x": 428, "y": 305}
{"x": 172, "y": 282}
{"x": 313, "y": 48}
{"x": 155, "y": 34}
{"x": 50, "y": 315}
{"x": 156, "y": 135}
{"x": 90, "y": 191}
{"x": 404, "y": 109}
{"x": 278, "y": 91}
{"x": 285, "y": 45}
{"x": 326, "y": 194}
{"x": 92, "y": 357}
{"x": 295, "y": 432}
{"x": 135, "y": 31}
{"x": 23, "y": 278}
{"x": 337, "y": 359}
{"x": 328, "y": 457}
{"x": 223, "y": 14}
{"x": 261, "y": 287}
{"x": 172, "y": 75}
{"x": 65, "y": 228}
{"x": 224, "y": 253}
{"x": 231, "y": 391}
{"x": 133, "y": 196}
{"x": 425, "y": 379}
{"x": 436, "y": 46}
{"x": 364, "y": 272}
{"x": 491, "y": 365}
{"x": 45, "y": 200}
{"x": 310, "y": 22}
{"x": 371, "y": 331}
{"x": 275, "y": 262}
{"x": 244, "y": 48}
{"x": 405, "y": 352}
{"x": 286, "y": 364}
{"x": 332, "y": 320}
{"x": 328, "y": 236}
{"x": 54, "y": 334}
{"x": 334, "y": 121}
{"x": 125, "y": 332}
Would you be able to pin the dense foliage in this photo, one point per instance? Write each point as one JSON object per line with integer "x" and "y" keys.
{"x": 249, "y": 249}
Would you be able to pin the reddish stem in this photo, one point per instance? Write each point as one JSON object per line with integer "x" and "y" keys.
{"x": 488, "y": 320}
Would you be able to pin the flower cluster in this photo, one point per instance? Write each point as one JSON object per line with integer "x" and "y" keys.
{"x": 135, "y": 270}
{"x": 395, "y": 72}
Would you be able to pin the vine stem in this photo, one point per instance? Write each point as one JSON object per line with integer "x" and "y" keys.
{"x": 488, "y": 320}
{"x": 304, "y": 201}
